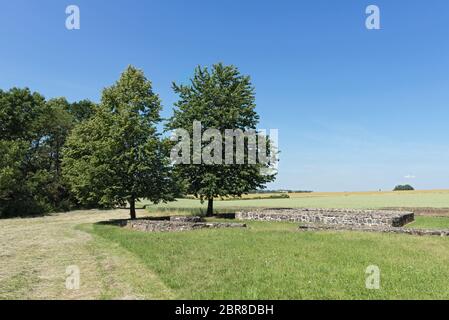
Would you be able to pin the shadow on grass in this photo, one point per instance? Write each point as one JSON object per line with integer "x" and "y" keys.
{"x": 165, "y": 214}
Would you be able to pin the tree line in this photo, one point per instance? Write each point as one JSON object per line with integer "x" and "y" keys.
{"x": 58, "y": 156}
{"x": 403, "y": 187}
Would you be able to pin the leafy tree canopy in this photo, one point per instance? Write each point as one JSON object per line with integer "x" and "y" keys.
{"x": 220, "y": 98}
{"x": 32, "y": 134}
{"x": 117, "y": 155}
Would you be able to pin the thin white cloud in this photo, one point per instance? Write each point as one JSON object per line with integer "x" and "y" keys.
{"x": 409, "y": 176}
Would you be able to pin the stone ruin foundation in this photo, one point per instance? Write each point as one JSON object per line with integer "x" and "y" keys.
{"x": 337, "y": 217}
{"x": 175, "y": 224}
{"x": 387, "y": 221}
{"x": 410, "y": 231}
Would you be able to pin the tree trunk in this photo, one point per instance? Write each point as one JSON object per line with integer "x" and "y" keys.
{"x": 132, "y": 208}
{"x": 210, "y": 207}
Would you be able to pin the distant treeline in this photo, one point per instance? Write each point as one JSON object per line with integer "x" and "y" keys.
{"x": 267, "y": 196}
{"x": 279, "y": 191}
{"x": 271, "y": 196}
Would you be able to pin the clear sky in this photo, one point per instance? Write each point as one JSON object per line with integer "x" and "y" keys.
{"x": 356, "y": 109}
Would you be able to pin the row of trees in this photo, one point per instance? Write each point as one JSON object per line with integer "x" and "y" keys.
{"x": 32, "y": 135}
{"x": 56, "y": 155}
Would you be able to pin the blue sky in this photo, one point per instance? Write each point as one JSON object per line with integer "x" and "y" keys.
{"x": 356, "y": 109}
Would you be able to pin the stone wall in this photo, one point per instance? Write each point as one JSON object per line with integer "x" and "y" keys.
{"x": 186, "y": 219}
{"x": 349, "y": 217}
{"x": 410, "y": 231}
{"x": 175, "y": 225}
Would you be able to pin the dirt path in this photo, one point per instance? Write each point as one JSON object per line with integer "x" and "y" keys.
{"x": 35, "y": 252}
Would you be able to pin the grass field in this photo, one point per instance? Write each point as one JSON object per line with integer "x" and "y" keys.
{"x": 275, "y": 261}
{"x": 430, "y": 223}
{"x": 356, "y": 200}
{"x": 266, "y": 260}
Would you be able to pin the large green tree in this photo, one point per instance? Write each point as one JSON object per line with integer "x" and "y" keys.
{"x": 117, "y": 156}
{"x": 223, "y": 99}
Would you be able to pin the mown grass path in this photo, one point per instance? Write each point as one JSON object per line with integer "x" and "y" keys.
{"x": 35, "y": 252}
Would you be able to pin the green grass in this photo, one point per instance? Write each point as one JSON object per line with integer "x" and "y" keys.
{"x": 422, "y": 222}
{"x": 274, "y": 261}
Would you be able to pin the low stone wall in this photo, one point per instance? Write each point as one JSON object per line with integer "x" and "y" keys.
{"x": 175, "y": 225}
{"x": 416, "y": 232}
{"x": 348, "y": 217}
{"x": 186, "y": 219}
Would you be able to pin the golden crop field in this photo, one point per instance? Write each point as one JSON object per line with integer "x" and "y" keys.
{"x": 363, "y": 200}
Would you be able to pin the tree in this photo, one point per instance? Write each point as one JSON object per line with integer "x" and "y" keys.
{"x": 405, "y": 187}
{"x": 53, "y": 127}
{"x": 81, "y": 110}
{"x": 19, "y": 109}
{"x": 14, "y": 194}
{"x": 222, "y": 99}
{"x": 33, "y": 133}
{"x": 117, "y": 155}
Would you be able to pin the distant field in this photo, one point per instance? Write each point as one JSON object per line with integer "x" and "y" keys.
{"x": 356, "y": 200}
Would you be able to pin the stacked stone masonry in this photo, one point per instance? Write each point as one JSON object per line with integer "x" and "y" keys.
{"x": 410, "y": 231}
{"x": 176, "y": 225}
{"x": 340, "y": 217}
